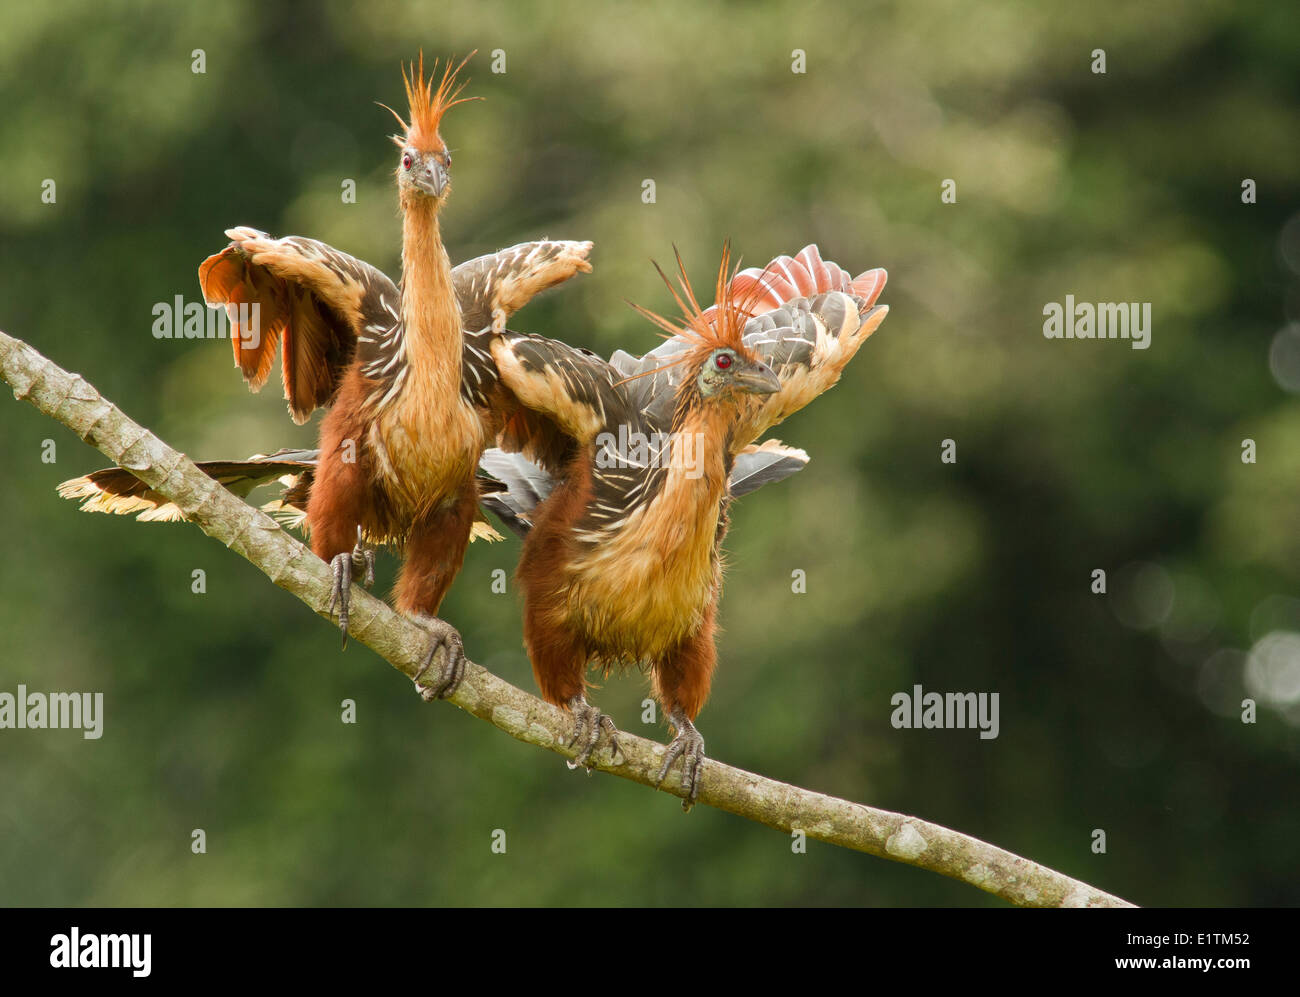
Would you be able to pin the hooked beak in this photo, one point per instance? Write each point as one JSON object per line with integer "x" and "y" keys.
{"x": 758, "y": 379}
{"x": 433, "y": 180}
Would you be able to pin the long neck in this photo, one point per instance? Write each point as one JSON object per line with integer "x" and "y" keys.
{"x": 430, "y": 312}
{"x": 701, "y": 439}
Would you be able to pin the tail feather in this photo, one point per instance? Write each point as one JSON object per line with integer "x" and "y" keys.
{"x": 120, "y": 493}
{"x": 117, "y": 491}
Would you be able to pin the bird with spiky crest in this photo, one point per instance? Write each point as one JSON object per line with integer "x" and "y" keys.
{"x": 621, "y": 558}
{"x": 410, "y": 404}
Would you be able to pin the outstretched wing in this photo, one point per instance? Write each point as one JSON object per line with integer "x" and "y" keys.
{"x": 809, "y": 320}
{"x": 559, "y": 397}
{"x": 321, "y": 302}
{"x": 491, "y": 288}
{"x": 807, "y": 342}
{"x": 315, "y": 299}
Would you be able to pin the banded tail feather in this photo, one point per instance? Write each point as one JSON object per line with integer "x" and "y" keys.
{"x": 117, "y": 491}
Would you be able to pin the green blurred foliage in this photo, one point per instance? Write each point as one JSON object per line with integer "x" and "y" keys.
{"x": 1118, "y": 712}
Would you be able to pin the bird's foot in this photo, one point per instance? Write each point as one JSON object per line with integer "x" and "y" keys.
{"x": 441, "y": 635}
{"x": 588, "y": 722}
{"x": 690, "y": 746}
{"x": 361, "y": 558}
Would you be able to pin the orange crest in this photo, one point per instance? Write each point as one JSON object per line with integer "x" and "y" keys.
{"x": 427, "y": 105}
{"x": 723, "y": 329}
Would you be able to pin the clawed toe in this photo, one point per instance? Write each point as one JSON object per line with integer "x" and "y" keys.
{"x": 588, "y": 722}
{"x": 361, "y": 558}
{"x": 441, "y": 635}
{"x": 689, "y": 746}
{"x": 341, "y": 594}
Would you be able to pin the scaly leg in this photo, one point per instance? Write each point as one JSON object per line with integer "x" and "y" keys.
{"x": 435, "y": 549}
{"x": 341, "y": 494}
{"x": 682, "y": 681}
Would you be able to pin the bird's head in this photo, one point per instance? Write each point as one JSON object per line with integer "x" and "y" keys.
{"x": 719, "y": 368}
{"x": 424, "y": 164}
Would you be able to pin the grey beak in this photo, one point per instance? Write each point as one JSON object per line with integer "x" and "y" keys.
{"x": 435, "y": 178}
{"x": 758, "y": 379}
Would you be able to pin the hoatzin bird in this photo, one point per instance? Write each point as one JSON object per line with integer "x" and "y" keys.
{"x": 485, "y": 288}
{"x": 621, "y": 563}
{"x": 407, "y": 422}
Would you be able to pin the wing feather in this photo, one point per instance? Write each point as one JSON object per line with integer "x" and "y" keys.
{"x": 807, "y": 342}
{"x": 312, "y": 298}
{"x": 573, "y": 388}
{"x": 756, "y": 466}
{"x": 491, "y": 288}
{"x": 808, "y": 320}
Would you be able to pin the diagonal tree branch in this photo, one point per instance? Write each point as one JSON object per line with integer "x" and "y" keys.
{"x": 248, "y": 531}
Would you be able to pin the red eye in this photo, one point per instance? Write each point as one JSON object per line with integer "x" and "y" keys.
{"x": 722, "y": 361}
{"x": 406, "y": 161}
